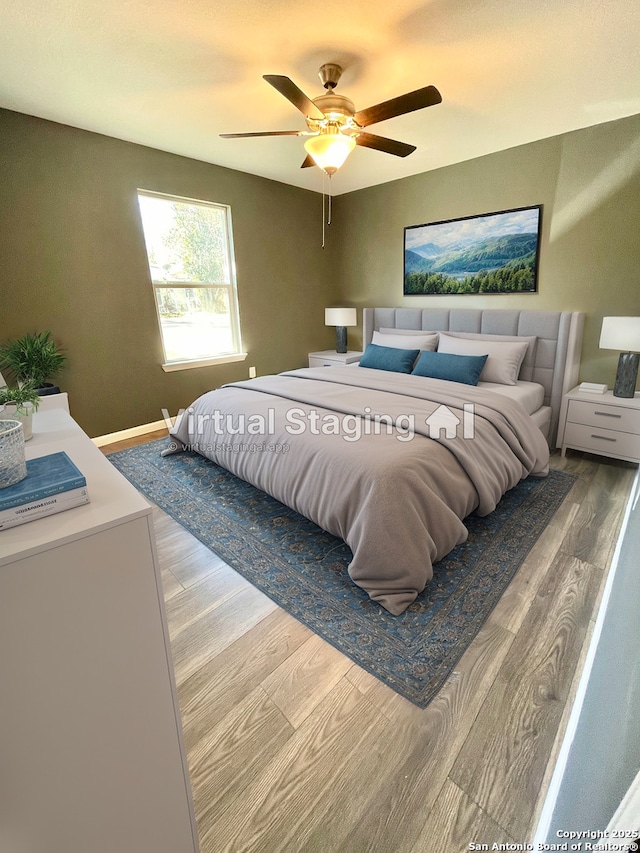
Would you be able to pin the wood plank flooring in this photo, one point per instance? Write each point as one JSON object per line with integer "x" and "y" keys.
{"x": 292, "y": 747}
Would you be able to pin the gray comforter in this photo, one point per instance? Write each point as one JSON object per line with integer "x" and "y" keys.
{"x": 391, "y": 463}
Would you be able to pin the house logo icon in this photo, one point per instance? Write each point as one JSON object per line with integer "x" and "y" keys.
{"x": 444, "y": 420}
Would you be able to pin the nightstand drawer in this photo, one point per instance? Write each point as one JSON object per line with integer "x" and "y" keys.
{"x": 600, "y": 440}
{"x": 606, "y": 416}
{"x": 314, "y": 361}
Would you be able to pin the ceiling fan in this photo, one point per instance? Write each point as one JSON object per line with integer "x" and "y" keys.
{"x": 334, "y": 126}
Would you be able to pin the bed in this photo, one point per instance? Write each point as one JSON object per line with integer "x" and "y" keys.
{"x": 393, "y": 460}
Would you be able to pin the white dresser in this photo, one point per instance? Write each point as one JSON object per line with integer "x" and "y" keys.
{"x": 91, "y": 753}
{"x": 601, "y": 423}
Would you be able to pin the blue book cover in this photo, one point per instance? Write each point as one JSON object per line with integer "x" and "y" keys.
{"x": 46, "y": 475}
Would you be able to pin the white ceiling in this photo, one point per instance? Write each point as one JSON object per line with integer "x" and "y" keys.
{"x": 173, "y": 74}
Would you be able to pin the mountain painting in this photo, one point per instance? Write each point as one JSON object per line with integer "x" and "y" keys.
{"x": 491, "y": 253}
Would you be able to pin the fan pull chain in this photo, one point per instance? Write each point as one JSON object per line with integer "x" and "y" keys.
{"x": 329, "y": 205}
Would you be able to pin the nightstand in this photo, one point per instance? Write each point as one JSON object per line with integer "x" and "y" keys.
{"x": 331, "y": 358}
{"x": 601, "y": 423}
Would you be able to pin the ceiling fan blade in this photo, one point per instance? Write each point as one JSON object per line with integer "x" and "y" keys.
{"x": 418, "y": 100}
{"x": 308, "y": 161}
{"x": 292, "y": 93}
{"x": 381, "y": 143}
{"x": 263, "y": 133}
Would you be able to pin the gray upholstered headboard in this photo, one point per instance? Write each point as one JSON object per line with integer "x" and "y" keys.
{"x": 557, "y": 355}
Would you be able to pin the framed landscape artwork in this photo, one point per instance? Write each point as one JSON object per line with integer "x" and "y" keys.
{"x": 491, "y": 253}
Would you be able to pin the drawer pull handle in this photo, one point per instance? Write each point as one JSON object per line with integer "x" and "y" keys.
{"x": 603, "y": 437}
{"x": 607, "y": 414}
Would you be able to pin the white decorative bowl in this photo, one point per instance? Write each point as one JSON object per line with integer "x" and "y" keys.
{"x": 13, "y": 466}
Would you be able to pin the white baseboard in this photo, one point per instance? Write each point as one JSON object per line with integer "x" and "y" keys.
{"x": 132, "y": 432}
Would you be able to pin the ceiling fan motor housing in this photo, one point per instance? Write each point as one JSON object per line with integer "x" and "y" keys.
{"x": 335, "y": 107}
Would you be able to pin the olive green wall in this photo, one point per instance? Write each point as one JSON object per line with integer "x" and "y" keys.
{"x": 73, "y": 261}
{"x": 589, "y": 185}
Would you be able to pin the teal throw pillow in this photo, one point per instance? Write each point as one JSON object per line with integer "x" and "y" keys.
{"x": 389, "y": 358}
{"x": 455, "y": 368}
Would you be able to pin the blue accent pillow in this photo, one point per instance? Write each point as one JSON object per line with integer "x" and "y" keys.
{"x": 455, "y": 368}
{"x": 389, "y": 358}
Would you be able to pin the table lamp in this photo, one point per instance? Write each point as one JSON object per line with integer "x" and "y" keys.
{"x": 623, "y": 333}
{"x": 340, "y": 318}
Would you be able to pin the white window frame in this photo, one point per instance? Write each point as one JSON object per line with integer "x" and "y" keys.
{"x": 231, "y": 287}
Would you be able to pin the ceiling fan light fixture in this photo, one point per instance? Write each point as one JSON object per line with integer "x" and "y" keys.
{"x": 330, "y": 150}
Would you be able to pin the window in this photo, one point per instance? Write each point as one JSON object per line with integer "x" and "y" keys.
{"x": 190, "y": 253}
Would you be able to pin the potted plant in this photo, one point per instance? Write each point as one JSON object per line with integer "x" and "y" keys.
{"x": 19, "y": 404}
{"x": 33, "y": 360}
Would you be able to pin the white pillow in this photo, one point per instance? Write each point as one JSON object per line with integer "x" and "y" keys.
{"x": 415, "y": 341}
{"x": 528, "y": 363}
{"x": 503, "y": 364}
{"x": 390, "y": 331}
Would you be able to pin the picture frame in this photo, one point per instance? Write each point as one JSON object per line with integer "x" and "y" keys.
{"x": 495, "y": 252}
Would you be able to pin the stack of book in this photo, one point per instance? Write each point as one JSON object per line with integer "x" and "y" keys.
{"x": 53, "y": 484}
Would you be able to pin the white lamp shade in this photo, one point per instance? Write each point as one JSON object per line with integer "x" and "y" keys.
{"x": 340, "y": 317}
{"x": 330, "y": 150}
{"x": 620, "y": 333}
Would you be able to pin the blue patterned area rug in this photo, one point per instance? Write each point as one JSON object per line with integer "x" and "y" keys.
{"x": 304, "y": 569}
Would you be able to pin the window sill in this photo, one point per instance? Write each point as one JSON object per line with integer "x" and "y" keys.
{"x": 170, "y": 366}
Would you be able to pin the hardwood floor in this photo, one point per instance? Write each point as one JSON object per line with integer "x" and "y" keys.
{"x": 292, "y": 747}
